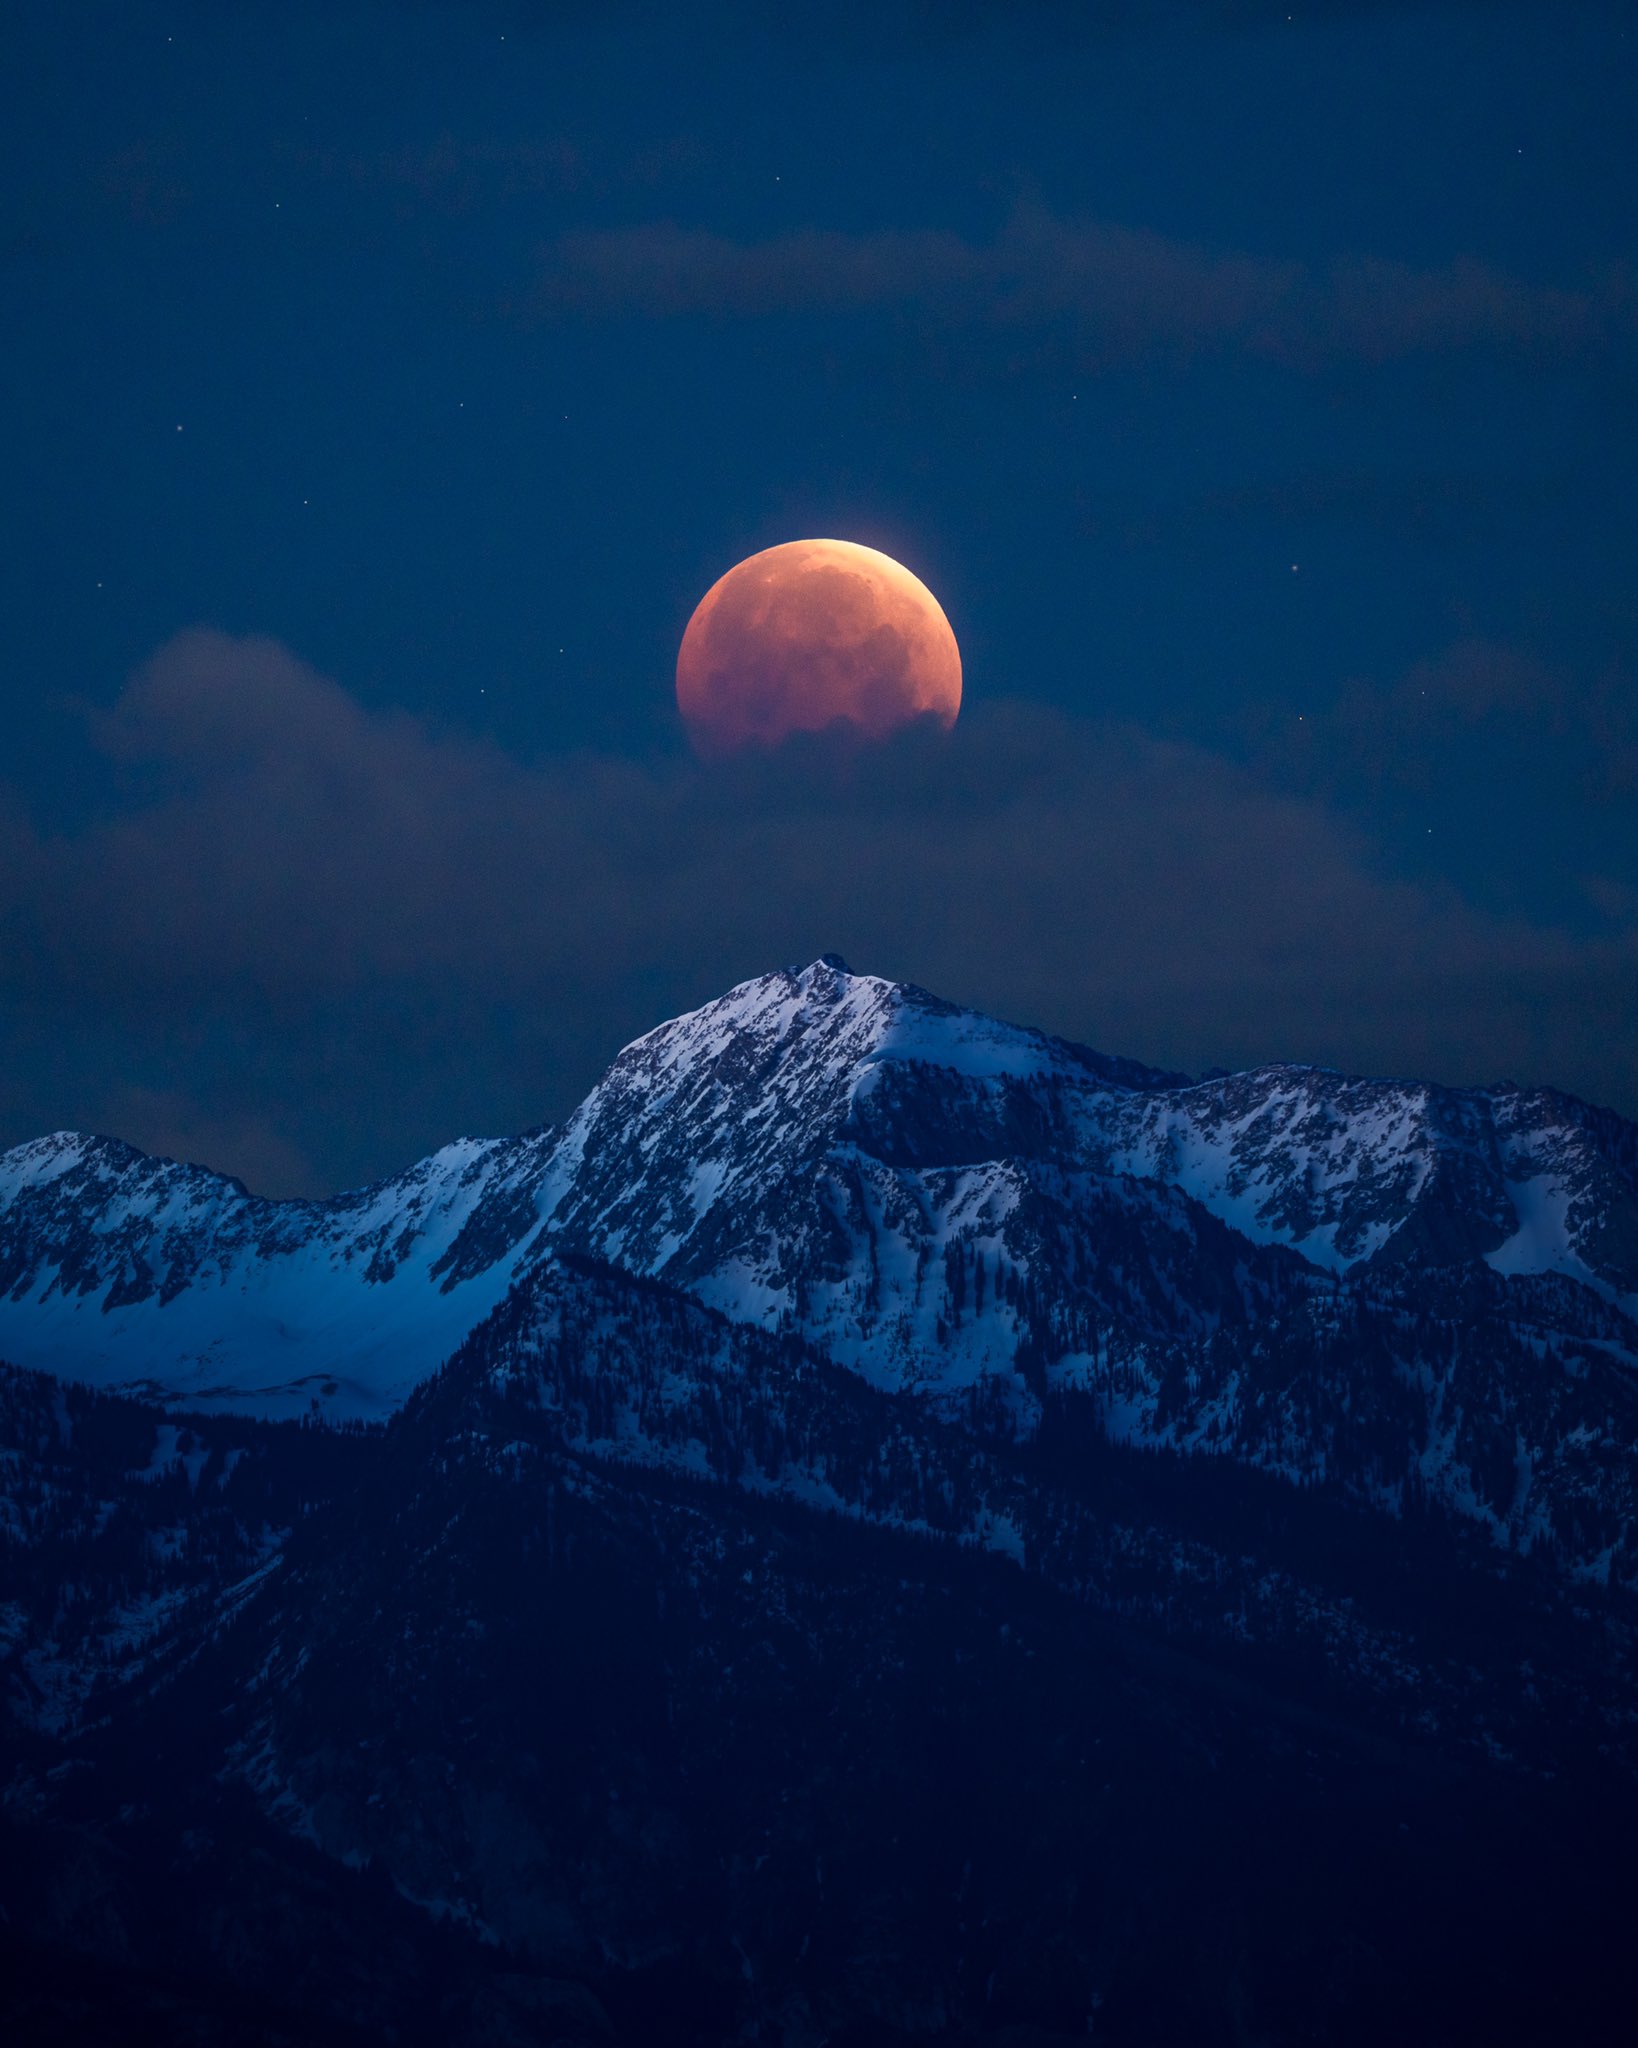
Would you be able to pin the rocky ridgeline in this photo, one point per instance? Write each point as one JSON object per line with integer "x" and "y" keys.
{"x": 1409, "y": 1293}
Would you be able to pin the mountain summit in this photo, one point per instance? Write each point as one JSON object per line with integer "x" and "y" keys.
{"x": 814, "y": 1144}
{"x": 151, "y": 1276}
{"x": 966, "y": 1210}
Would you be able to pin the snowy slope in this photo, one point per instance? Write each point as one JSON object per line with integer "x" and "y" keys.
{"x": 901, "y": 1179}
{"x": 935, "y": 1197}
{"x": 143, "y": 1275}
{"x": 1350, "y": 1171}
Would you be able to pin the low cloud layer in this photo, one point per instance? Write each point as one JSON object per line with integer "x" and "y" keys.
{"x": 319, "y": 939}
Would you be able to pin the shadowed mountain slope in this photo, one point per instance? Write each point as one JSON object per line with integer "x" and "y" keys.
{"x": 693, "y": 1688}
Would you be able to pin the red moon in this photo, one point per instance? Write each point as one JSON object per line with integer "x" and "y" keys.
{"x": 811, "y": 634}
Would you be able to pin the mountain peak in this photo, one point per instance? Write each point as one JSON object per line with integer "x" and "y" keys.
{"x": 832, "y": 1150}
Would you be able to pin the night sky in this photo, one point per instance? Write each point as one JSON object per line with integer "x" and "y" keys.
{"x": 385, "y": 384}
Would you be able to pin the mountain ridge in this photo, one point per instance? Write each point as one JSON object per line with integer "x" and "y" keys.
{"x": 1022, "y": 1601}
{"x": 898, "y": 1177}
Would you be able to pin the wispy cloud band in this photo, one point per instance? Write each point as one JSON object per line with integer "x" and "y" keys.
{"x": 1104, "y": 294}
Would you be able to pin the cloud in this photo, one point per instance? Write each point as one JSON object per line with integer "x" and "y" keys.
{"x": 1092, "y": 294}
{"x": 321, "y": 938}
{"x": 1481, "y": 713}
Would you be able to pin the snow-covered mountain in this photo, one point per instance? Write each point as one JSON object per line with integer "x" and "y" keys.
{"x": 822, "y": 1132}
{"x": 939, "y": 1200}
{"x": 755, "y": 1618}
{"x": 146, "y": 1276}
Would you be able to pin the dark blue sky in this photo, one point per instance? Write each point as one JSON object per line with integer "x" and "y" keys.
{"x": 1253, "y": 386}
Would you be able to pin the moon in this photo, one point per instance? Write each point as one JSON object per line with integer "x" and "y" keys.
{"x": 809, "y": 635}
